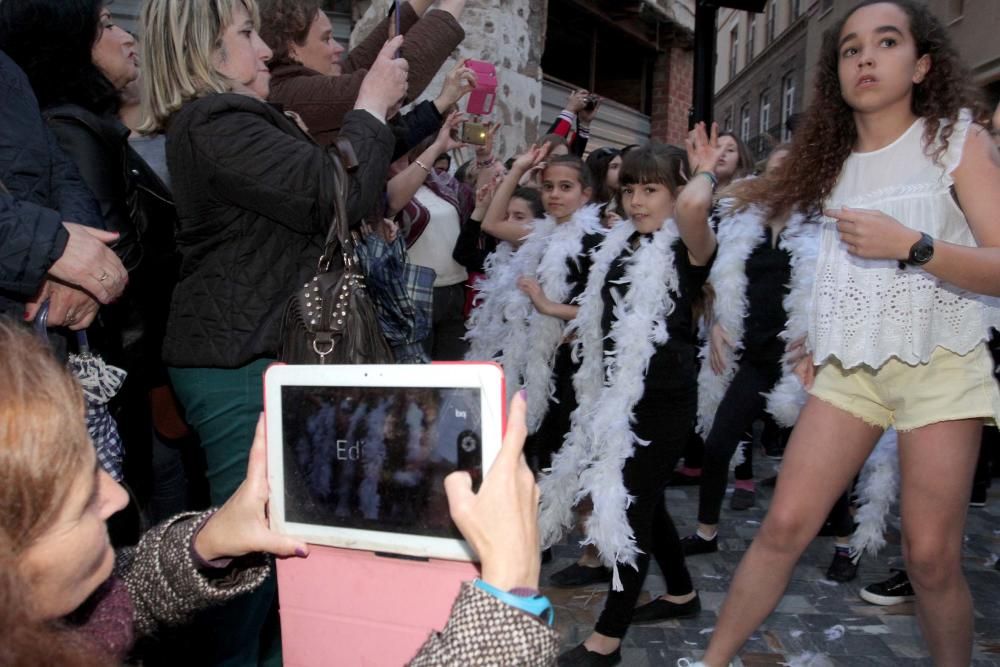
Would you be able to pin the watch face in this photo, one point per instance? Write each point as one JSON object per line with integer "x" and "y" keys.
{"x": 922, "y": 251}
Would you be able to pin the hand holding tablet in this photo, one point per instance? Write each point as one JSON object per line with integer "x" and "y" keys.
{"x": 501, "y": 521}
{"x": 358, "y": 455}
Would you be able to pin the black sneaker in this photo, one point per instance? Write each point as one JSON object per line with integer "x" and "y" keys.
{"x": 580, "y": 575}
{"x": 694, "y": 545}
{"x": 742, "y": 499}
{"x": 978, "y": 498}
{"x": 579, "y": 656}
{"x": 843, "y": 568}
{"x": 662, "y": 610}
{"x": 894, "y": 590}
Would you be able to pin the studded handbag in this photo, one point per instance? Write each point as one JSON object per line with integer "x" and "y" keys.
{"x": 331, "y": 318}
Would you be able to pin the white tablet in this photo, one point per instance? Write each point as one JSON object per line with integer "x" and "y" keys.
{"x": 357, "y": 455}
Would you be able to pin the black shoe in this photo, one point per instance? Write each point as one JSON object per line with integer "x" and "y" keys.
{"x": 978, "y": 496}
{"x": 546, "y": 556}
{"x": 580, "y": 575}
{"x": 694, "y": 545}
{"x": 742, "y": 499}
{"x": 843, "y": 568}
{"x": 579, "y": 656}
{"x": 894, "y": 590}
{"x": 680, "y": 479}
{"x": 662, "y": 610}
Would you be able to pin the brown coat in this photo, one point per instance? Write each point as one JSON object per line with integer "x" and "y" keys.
{"x": 323, "y": 101}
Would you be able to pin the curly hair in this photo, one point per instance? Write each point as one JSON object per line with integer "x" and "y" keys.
{"x": 283, "y": 22}
{"x": 828, "y": 133}
{"x": 51, "y": 40}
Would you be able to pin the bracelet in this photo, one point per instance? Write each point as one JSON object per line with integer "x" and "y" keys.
{"x": 422, "y": 166}
{"x": 537, "y": 605}
{"x": 486, "y": 163}
{"x": 711, "y": 177}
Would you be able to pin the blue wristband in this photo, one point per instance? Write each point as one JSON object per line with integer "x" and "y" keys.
{"x": 538, "y": 605}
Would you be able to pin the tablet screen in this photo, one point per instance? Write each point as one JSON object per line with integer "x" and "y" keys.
{"x": 375, "y": 458}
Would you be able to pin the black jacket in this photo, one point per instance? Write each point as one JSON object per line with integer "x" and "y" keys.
{"x": 254, "y": 199}
{"x": 135, "y": 203}
{"x": 41, "y": 189}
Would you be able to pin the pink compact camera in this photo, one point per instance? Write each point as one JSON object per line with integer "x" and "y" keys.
{"x": 484, "y": 95}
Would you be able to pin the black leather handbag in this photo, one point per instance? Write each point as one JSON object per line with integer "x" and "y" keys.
{"x": 331, "y": 318}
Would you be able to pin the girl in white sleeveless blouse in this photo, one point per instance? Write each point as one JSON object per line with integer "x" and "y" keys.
{"x": 905, "y": 293}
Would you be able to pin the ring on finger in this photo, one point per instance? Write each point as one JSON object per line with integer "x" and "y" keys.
{"x": 104, "y": 276}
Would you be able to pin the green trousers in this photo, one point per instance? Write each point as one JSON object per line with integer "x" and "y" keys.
{"x": 223, "y": 405}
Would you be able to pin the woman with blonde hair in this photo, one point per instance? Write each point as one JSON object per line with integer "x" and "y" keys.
{"x": 254, "y": 198}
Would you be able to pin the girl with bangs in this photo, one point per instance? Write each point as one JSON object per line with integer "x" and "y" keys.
{"x": 529, "y": 294}
{"x": 636, "y": 387}
{"x": 894, "y": 153}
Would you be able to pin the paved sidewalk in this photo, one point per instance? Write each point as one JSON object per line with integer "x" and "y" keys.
{"x": 815, "y": 615}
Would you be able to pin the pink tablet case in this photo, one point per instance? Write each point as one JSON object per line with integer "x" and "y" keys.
{"x": 347, "y": 607}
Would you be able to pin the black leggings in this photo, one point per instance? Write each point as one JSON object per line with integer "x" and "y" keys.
{"x": 546, "y": 441}
{"x": 742, "y": 403}
{"x": 663, "y": 418}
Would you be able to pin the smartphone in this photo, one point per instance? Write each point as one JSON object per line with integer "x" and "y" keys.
{"x": 474, "y": 133}
{"x": 484, "y": 95}
{"x": 394, "y": 13}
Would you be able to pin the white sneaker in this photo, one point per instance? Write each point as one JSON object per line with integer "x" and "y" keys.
{"x": 684, "y": 662}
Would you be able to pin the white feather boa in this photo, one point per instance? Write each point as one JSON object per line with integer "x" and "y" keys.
{"x": 544, "y": 333}
{"x": 505, "y": 327}
{"x": 608, "y": 386}
{"x": 738, "y": 235}
{"x": 877, "y": 489}
{"x": 501, "y": 314}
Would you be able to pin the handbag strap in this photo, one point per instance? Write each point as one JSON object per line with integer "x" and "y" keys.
{"x": 339, "y": 232}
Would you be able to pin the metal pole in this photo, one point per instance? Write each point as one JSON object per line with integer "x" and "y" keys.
{"x": 704, "y": 62}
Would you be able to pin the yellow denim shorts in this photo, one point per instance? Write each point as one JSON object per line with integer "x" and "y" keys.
{"x": 947, "y": 388}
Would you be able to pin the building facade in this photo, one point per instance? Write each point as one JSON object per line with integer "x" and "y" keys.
{"x": 634, "y": 53}
{"x": 765, "y": 62}
{"x": 760, "y": 72}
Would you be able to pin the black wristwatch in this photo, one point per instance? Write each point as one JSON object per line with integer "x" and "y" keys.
{"x": 921, "y": 252}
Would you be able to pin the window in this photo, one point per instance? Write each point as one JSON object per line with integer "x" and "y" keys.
{"x": 787, "y": 105}
{"x": 734, "y": 49}
{"x": 765, "y": 112}
{"x": 745, "y": 122}
{"x": 751, "y": 34}
{"x": 728, "y": 125}
{"x": 794, "y": 9}
{"x": 827, "y": 5}
{"x": 771, "y": 8}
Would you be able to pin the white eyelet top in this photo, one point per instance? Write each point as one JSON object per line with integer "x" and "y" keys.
{"x": 865, "y": 312}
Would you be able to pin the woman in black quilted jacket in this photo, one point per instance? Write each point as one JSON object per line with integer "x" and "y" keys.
{"x": 254, "y": 197}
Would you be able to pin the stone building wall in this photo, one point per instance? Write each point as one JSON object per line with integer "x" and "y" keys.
{"x": 511, "y": 34}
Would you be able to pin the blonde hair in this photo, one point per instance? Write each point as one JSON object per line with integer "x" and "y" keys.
{"x": 43, "y": 436}
{"x": 179, "y": 41}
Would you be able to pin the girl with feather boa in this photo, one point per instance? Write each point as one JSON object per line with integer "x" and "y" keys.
{"x": 528, "y": 298}
{"x": 636, "y": 387}
{"x": 762, "y": 280}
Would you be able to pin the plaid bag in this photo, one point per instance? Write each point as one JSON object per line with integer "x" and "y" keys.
{"x": 403, "y": 294}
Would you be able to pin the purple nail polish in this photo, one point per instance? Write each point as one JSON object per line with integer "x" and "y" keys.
{"x": 523, "y": 394}
{"x": 300, "y": 552}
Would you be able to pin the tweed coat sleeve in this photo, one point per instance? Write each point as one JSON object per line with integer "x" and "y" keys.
{"x": 482, "y": 631}
{"x": 164, "y": 583}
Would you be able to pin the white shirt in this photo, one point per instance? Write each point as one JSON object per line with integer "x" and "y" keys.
{"x": 868, "y": 311}
{"x": 437, "y": 242}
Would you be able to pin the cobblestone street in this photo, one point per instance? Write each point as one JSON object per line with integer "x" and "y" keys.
{"x": 815, "y": 615}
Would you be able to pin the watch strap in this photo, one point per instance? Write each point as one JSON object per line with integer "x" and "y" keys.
{"x": 536, "y": 605}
